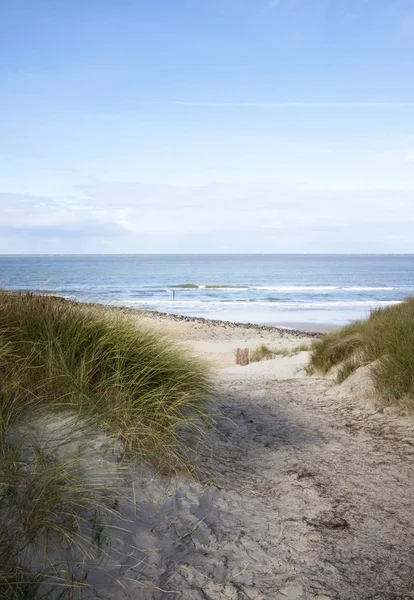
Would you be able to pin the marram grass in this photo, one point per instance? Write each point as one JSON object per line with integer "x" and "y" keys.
{"x": 55, "y": 505}
{"x": 244, "y": 356}
{"x": 385, "y": 339}
{"x": 59, "y": 360}
{"x": 133, "y": 382}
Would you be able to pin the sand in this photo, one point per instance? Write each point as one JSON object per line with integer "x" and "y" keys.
{"x": 216, "y": 341}
{"x": 304, "y": 490}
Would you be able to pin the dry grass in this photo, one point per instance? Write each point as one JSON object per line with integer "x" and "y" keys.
{"x": 263, "y": 352}
{"x": 386, "y": 338}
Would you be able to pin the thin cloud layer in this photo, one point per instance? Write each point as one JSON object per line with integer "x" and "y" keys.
{"x": 133, "y": 217}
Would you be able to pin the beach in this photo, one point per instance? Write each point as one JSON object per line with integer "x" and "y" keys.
{"x": 303, "y": 489}
{"x": 207, "y": 300}
{"x": 220, "y": 481}
{"x": 216, "y": 341}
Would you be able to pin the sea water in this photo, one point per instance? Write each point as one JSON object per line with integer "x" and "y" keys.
{"x": 267, "y": 289}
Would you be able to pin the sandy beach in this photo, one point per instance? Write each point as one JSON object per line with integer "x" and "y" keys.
{"x": 207, "y": 300}
{"x": 303, "y": 491}
{"x": 216, "y": 341}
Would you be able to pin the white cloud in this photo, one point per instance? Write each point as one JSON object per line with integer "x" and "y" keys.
{"x": 410, "y": 157}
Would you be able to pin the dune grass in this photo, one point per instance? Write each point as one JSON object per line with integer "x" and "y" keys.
{"x": 264, "y": 352}
{"x": 110, "y": 377}
{"x": 134, "y": 383}
{"x": 55, "y": 511}
{"x": 386, "y": 339}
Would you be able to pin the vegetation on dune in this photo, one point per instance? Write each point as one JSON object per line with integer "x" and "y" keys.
{"x": 385, "y": 339}
{"x": 134, "y": 383}
{"x": 55, "y": 514}
{"x": 108, "y": 375}
{"x": 264, "y": 352}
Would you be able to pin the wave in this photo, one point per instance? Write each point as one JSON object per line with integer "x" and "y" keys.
{"x": 207, "y": 286}
{"x": 322, "y": 288}
{"x": 251, "y": 303}
{"x": 370, "y": 289}
{"x": 287, "y": 288}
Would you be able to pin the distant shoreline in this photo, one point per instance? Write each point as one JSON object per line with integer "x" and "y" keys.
{"x": 298, "y": 292}
{"x": 294, "y": 329}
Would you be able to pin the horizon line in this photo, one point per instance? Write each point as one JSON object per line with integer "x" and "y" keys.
{"x": 57, "y": 254}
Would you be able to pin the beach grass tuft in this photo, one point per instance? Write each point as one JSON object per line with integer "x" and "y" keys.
{"x": 264, "y": 352}
{"x": 385, "y": 339}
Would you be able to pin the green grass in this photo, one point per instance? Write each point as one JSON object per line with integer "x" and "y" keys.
{"x": 386, "y": 339}
{"x": 113, "y": 376}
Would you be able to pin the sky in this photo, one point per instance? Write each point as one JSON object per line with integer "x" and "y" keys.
{"x": 206, "y": 126}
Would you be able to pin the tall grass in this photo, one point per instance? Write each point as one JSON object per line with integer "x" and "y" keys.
{"x": 62, "y": 361}
{"x": 386, "y": 339}
{"x": 134, "y": 383}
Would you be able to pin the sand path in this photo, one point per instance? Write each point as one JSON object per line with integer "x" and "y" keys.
{"x": 303, "y": 493}
{"x": 309, "y": 497}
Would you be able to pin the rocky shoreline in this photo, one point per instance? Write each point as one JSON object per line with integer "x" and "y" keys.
{"x": 282, "y": 332}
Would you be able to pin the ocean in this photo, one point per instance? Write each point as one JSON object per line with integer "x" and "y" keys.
{"x": 284, "y": 290}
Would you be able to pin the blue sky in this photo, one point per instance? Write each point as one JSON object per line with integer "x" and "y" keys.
{"x": 206, "y": 126}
